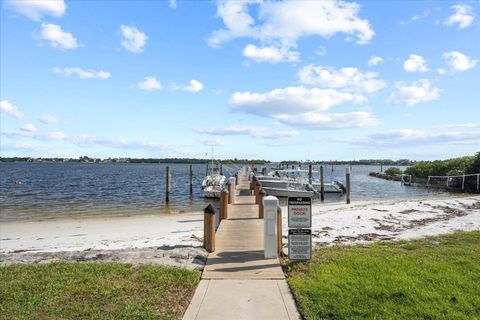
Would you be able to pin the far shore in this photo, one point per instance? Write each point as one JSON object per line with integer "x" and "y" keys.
{"x": 177, "y": 239}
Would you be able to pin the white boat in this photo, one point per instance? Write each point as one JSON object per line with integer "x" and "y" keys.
{"x": 288, "y": 192}
{"x": 295, "y": 178}
{"x": 213, "y": 184}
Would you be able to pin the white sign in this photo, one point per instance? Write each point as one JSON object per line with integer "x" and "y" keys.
{"x": 299, "y": 244}
{"x": 299, "y": 212}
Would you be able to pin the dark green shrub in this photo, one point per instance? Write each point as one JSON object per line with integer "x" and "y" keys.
{"x": 393, "y": 171}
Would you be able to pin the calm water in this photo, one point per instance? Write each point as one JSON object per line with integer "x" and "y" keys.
{"x": 52, "y": 190}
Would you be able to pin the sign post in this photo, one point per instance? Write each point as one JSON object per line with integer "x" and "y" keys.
{"x": 300, "y": 220}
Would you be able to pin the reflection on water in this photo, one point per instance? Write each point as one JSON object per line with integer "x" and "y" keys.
{"x": 52, "y": 190}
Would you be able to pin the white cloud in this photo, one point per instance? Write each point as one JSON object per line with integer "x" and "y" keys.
{"x": 318, "y": 121}
{"x": 458, "y": 61}
{"x": 172, "y": 4}
{"x": 375, "y": 60}
{"x": 133, "y": 39}
{"x": 270, "y": 54}
{"x": 417, "y": 17}
{"x": 462, "y": 16}
{"x": 213, "y": 142}
{"x": 149, "y": 84}
{"x": 83, "y": 74}
{"x": 291, "y": 100}
{"x": 10, "y": 109}
{"x": 47, "y": 119}
{"x": 254, "y": 132}
{"x": 194, "y": 86}
{"x": 29, "y": 133}
{"x": 350, "y": 78}
{"x": 282, "y": 23}
{"x": 28, "y": 128}
{"x": 441, "y": 71}
{"x": 419, "y": 91}
{"x": 412, "y": 137}
{"x": 467, "y": 125}
{"x": 415, "y": 63}
{"x": 35, "y": 9}
{"x": 56, "y": 37}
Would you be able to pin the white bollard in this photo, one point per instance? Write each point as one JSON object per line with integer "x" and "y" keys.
{"x": 270, "y": 205}
{"x": 234, "y": 188}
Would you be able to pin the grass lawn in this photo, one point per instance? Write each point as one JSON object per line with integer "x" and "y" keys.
{"x": 434, "y": 278}
{"x": 95, "y": 291}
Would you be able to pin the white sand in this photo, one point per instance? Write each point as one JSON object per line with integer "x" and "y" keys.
{"x": 176, "y": 240}
{"x": 392, "y": 219}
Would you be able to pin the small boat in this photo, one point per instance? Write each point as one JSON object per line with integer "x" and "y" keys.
{"x": 213, "y": 184}
{"x": 288, "y": 192}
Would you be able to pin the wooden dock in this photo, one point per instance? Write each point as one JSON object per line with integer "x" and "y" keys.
{"x": 249, "y": 286}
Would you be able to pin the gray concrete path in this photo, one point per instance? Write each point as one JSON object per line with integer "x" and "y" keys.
{"x": 238, "y": 282}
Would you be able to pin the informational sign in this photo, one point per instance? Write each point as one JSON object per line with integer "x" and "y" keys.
{"x": 299, "y": 244}
{"x": 299, "y": 212}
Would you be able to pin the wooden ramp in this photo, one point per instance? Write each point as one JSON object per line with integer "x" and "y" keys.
{"x": 239, "y": 243}
{"x": 238, "y": 282}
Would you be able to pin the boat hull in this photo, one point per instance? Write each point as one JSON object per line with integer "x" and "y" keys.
{"x": 283, "y": 193}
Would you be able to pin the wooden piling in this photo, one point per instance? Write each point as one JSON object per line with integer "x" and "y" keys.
{"x": 191, "y": 179}
{"x": 209, "y": 228}
{"x": 257, "y": 188}
{"x": 167, "y": 184}
{"x": 347, "y": 179}
{"x": 279, "y": 232}
{"x": 310, "y": 173}
{"x": 224, "y": 204}
{"x": 230, "y": 190}
{"x": 259, "y": 198}
{"x": 322, "y": 187}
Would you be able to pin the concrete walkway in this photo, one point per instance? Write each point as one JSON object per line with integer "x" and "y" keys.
{"x": 237, "y": 282}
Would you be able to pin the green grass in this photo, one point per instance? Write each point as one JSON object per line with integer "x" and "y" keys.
{"x": 435, "y": 278}
{"x": 94, "y": 291}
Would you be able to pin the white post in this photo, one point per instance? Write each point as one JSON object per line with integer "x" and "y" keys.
{"x": 270, "y": 205}
{"x": 234, "y": 187}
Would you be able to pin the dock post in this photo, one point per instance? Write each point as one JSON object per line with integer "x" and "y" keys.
{"x": 259, "y": 200}
{"x": 347, "y": 178}
{"x": 478, "y": 182}
{"x": 236, "y": 179}
{"x": 322, "y": 188}
{"x": 221, "y": 169}
{"x": 191, "y": 179}
{"x": 224, "y": 204}
{"x": 256, "y": 188}
{"x": 463, "y": 183}
{"x": 310, "y": 173}
{"x": 167, "y": 184}
{"x": 209, "y": 228}
{"x": 279, "y": 231}
{"x": 270, "y": 240}
{"x": 230, "y": 190}
{"x": 381, "y": 167}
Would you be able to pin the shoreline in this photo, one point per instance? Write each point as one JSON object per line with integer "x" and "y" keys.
{"x": 177, "y": 240}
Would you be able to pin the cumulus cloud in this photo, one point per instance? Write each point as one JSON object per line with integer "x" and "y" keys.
{"x": 47, "y": 119}
{"x": 149, "y": 84}
{"x": 35, "y": 9}
{"x": 31, "y": 132}
{"x": 441, "y": 71}
{"x": 415, "y": 63}
{"x": 8, "y": 108}
{"x": 172, "y": 4}
{"x": 133, "y": 39}
{"x": 270, "y": 54}
{"x": 254, "y": 132}
{"x": 56, "y": 37}
{"x": 291, "y": 100}
{"x": 318, "y": 121}
{"x": 458, "y": 61}
{"x": 83, "y": 74}
{"x": 350, "y": 78}
{"x": 462, "y": 16}
{"x": 419, "y": 91}
{"x": 194, "y": 86}
{"x": 28, "y": 128}
{"x": 213, "y": 142}
{"x": 374, "y": 61}
{"x": 468, "y": 125}
{"x": 282, "y": 23}
{"x": 411, "y": 137}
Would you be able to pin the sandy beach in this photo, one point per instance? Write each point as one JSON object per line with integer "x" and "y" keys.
{"x": 176, "y": 240}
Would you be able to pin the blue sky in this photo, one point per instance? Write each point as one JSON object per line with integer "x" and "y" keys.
{"x": 314, "y": 80}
